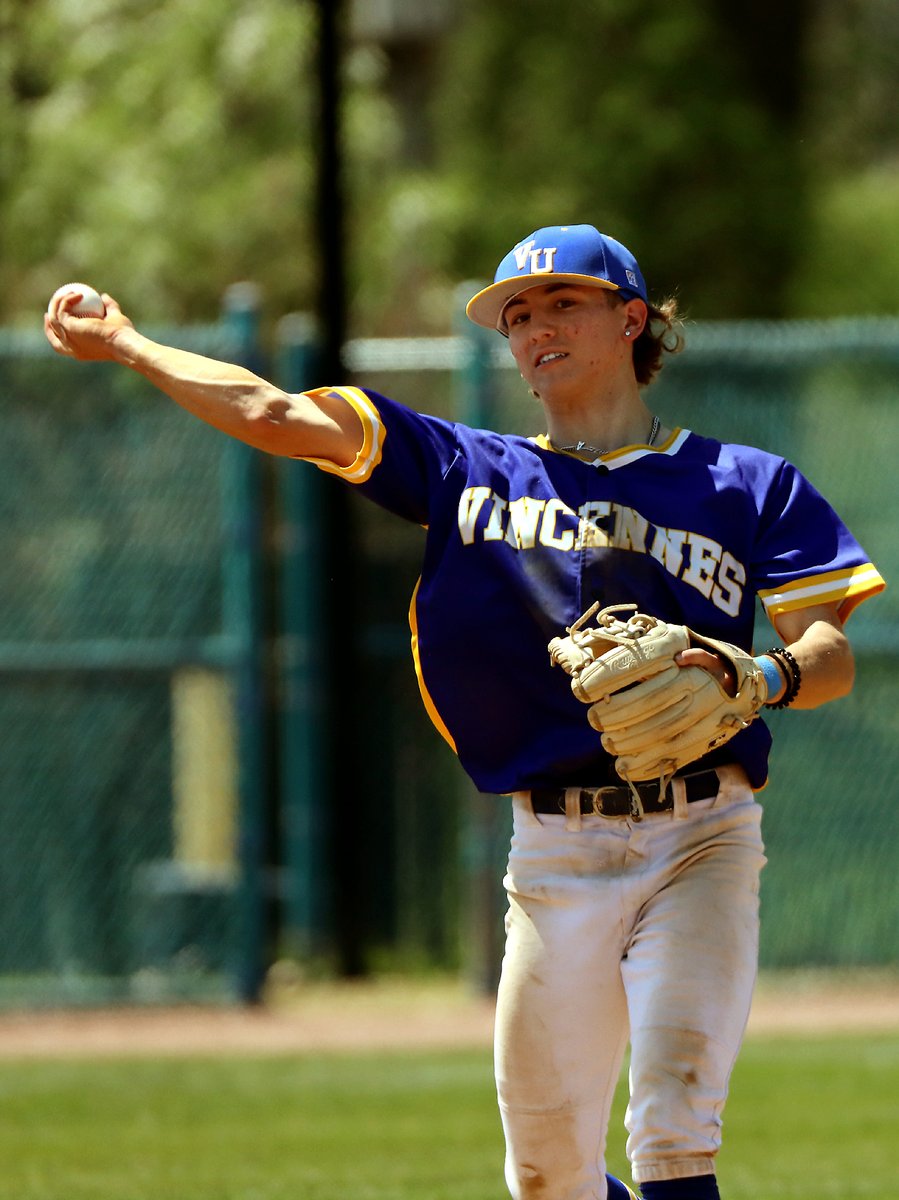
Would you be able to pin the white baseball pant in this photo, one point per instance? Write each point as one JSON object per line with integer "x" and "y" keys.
{"x": 621, "y": 930}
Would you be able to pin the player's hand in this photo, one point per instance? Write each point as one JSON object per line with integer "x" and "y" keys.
{"x": 89, "y": 339}
{"x": 706, "y": 661}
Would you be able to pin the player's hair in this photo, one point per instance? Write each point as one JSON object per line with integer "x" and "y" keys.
{"x": 662, "y": 334}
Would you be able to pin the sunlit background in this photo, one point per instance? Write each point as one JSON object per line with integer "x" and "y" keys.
{"x": 214, "y": 764}
{"x": 749, "y": 154}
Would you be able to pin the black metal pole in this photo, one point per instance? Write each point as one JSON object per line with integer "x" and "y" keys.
{"x": 329, "y": 192}
{"x": 345, "y": 785}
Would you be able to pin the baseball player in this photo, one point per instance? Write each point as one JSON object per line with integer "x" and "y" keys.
{"x": 634, "y": 867}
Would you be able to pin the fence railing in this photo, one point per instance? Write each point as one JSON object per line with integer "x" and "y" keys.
{"x": 171, "y": 742}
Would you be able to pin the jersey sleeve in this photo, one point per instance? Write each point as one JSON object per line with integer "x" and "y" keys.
{"x": 403, "y": 457}
{"x": 805, "y": 554}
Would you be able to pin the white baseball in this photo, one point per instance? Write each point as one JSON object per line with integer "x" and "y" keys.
{"x": 90, "y": 304}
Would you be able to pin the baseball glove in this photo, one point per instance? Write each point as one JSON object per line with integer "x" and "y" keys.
{"x": 655, "y": 716}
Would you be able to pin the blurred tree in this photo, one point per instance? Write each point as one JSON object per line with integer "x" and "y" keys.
{"x": 161, "y": 148}
{"x": 850, "y": 84}
{"x": 674, "y": 129}
{"x": 28, "y": 52}
{"x": 166, "y": 149}
{"x": 849, "y": 261}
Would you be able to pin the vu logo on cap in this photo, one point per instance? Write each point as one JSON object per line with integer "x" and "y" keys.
{"x": 530, "y": 260}
{"x": 570, "y": 254}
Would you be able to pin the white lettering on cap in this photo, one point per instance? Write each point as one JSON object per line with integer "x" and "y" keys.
{"x": 549, "y": 254}
{"x": 525, "y": 252}
{"x": 521, "y": 254}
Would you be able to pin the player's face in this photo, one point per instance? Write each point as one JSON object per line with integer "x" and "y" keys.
{"x": 566, "y": 336}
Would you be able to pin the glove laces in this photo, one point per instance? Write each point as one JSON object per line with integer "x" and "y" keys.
{"x": 611, "y": 627}
{"x": 624, "y": 633}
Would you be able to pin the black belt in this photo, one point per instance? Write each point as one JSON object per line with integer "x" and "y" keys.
{"x": 619, "y": 801}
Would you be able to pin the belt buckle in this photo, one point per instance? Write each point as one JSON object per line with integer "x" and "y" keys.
{"x": 596, "y": 798}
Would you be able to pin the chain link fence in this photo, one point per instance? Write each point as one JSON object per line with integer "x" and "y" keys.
{"x": 122, "y": 653}
{"x": 164, "y": 830}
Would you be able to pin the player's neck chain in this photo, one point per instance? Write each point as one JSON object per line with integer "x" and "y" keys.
{"x": 581, "y": 447}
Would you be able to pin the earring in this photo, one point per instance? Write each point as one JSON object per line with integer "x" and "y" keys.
{"x": 627, "y": 333}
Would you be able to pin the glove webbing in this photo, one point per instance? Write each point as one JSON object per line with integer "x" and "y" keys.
{"x": 625, "y": 633}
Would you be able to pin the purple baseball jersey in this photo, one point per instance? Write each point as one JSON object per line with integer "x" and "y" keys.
{"x": 521, "y": 540}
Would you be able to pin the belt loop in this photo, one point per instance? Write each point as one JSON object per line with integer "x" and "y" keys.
{"x": 679, "y": 795}
{"x": 522, "y": 801}
{"x": 572, "y": 809}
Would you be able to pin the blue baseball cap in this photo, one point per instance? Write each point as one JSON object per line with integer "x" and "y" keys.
{"x": 558, "y": 254}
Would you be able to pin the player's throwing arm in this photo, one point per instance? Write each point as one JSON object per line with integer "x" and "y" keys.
{"x": 82, "y": 324}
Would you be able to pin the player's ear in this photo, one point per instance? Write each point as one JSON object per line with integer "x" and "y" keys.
{"x": 636, "y": 314}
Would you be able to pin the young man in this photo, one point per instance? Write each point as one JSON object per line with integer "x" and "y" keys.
{"x": 621, "y": 927}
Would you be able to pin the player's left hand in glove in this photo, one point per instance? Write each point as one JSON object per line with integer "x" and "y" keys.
{"x": 654, "y": 715}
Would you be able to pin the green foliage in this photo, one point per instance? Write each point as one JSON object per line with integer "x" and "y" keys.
{"x": 850, "y": 85}
{"x": 807, "y": 1119}
{"x": 165, "y": 151}
{"x": 850, "y": 250}
{"x": 645, "y": 121}
{"x": 850, "y": 262}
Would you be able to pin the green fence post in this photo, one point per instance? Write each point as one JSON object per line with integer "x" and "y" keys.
{"x": 303, "y": 715}
{"x": 243, "y": 621}
{"x": 486, "y": 817}
{"x": 472, "y": 385}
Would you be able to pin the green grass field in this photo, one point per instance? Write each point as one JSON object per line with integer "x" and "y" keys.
{"x": 807, "y": 1120}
